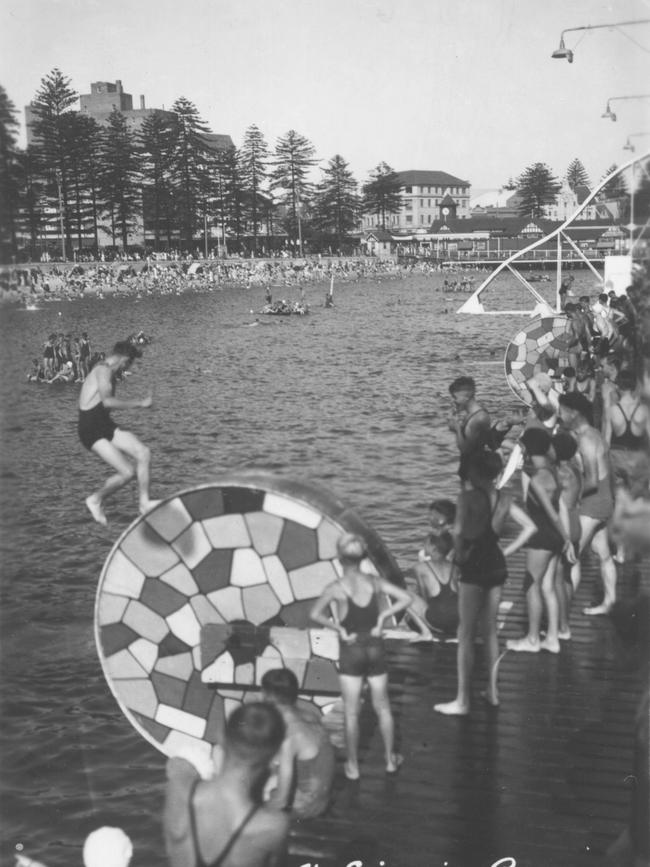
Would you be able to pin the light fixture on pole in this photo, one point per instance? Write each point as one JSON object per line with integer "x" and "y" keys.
{"x": 609, "y": 114}
{"x": 564, "y": 53}
{"x": 628, "y": 146}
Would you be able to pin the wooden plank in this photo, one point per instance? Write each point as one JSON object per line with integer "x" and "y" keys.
{"x": 541, "y": 780}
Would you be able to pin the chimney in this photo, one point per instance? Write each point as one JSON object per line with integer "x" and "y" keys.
{"x": 118, "y": 85}
{"x": 142, "y": 100}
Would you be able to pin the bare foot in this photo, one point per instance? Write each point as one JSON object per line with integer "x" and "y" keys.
{"x": 550, "y": 644}
{"x": 94, "y": 505}
{"x": 597, "y": 609}
{"x": 524, "y": 645}
{"x": 351, "y": 773}
{"x": 395, "y": 763}
{"x": 490, "y": 699}
{"x": 452, "y": 708}
{"x": 148, "y": 505}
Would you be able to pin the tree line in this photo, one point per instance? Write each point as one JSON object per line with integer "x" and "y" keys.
{"x": 89, "y": 179}
{"x": 96, "y": 178}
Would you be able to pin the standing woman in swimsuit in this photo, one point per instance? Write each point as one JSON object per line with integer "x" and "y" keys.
{"x": 120, "y": 449}
{"x": 354, "y": 603}
{"x": 550, "y": 540}
{"x": 481, "y": 512}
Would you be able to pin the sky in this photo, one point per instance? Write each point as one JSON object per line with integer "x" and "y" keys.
{"x": 466, "y": 87}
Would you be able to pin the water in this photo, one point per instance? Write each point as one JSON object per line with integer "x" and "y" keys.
{"x": 354, "y": 398}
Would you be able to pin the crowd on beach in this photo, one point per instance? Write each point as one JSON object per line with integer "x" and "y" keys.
{"x": 31, "y": 285}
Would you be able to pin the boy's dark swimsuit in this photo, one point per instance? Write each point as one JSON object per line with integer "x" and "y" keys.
{"x": 95, "y": 424}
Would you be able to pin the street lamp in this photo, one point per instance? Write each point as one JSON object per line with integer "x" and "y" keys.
{"x": 564, "y": 53}
{"x": 609, "y": 114}
{"x": 628, "y": 146}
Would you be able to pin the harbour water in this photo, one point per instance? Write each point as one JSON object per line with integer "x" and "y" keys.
{"x": 354, "y": 398}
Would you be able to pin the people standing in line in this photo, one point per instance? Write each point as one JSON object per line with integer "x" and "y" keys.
{"x": 544, "y": 547}
{"x": 120, "y": 449}
{"x": 221, "y": 822}
{"x": 356, "y": 613}
{"x": 470, "y": 421}
{"x": 481, "y": 512}
{"x": 597, "y": 504}
{"x": 306, "y": 760}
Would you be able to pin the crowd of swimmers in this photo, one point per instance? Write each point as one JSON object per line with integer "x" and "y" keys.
{"x": 68, "y": 359}
{"x": 33, "y": 285}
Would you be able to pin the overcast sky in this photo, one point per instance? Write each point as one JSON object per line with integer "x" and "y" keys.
{"x": 463, "y": 86}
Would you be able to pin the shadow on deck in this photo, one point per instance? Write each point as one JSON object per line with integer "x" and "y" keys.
{"x": 542, "y": 781}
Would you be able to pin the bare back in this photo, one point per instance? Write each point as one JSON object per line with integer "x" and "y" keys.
{"x": 98, "y": 384}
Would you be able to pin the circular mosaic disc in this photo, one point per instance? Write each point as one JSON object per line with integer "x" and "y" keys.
{"x": 546, "y": 337}
{"x": 213, "y": 587}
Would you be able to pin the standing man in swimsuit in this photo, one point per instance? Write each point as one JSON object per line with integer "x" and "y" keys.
{"x": 306, "y": 758}
{"x": 120, "y": 449}
{"x": 221, "y": 822}
{"x": 470, "y": 421}
{"x": 354, "y": 603}
{"x": 597, "y": 505}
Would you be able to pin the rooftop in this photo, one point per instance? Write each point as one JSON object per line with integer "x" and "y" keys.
{"x": 416, "y": 177}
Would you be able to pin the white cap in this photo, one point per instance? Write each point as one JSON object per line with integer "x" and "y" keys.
{"x": 107, "y": 847}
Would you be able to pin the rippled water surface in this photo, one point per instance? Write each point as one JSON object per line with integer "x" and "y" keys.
{"x": 354, "y": 398}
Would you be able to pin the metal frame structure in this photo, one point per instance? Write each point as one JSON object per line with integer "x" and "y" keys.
{"x": 473, "y": 303}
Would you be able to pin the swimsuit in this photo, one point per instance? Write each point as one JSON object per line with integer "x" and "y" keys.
{"x": 483, "y": 562}
{"x": 629, "y": 458}
{"x": 547, "y": 537}
{"x": 314, "y": 780}
{"x": 442, "y": 611}
{"x": 599, "y": 504}
{"x": 95, "y": 424}
{"x": 365, "y": 657}
{"x": 628, "y": 440}
{"x": 236, "y": 834}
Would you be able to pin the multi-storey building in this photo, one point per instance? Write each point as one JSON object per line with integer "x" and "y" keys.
{"x": 103, "y": 99}
{"x": 426, "y": 196}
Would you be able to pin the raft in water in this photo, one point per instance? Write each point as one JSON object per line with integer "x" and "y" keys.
{"x": 285, "y": 308}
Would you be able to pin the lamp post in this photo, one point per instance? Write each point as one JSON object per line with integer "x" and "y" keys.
{"x": 564, "y": 53}
{"x": 205, "y": 229}
{"x": 628, "y": 146}
{"x": 608, "y": 113}
{"x": 58, "y": 189}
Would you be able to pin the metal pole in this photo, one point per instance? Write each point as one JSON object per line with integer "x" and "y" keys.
{"x": 632, "y": 209}
{"x": 58, "y": 187}
{"x": 205, "y": 230}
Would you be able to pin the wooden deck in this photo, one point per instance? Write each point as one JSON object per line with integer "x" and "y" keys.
{"x": 542, "y": 781}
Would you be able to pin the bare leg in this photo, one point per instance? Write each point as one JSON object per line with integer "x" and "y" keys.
{"x": 129, "y": 444}
{"x": 551, "y": 642}
{"x": 379, "y": 694}
{"x": 470, "y": 601}
{"x": 563, "y": 590}
{"x": 125, "y": 472}
{"x": 536, "y": 564}
{"x": 491, "y": 643}
{"x": 600, "y": 547}
{"x": 351, "y": 694}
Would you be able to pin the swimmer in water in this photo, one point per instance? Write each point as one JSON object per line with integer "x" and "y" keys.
{"x": 98, "y": 432}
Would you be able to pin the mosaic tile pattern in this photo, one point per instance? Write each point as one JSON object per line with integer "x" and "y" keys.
{"x": 548, "y": 337}
{"x": 213, "y": 587}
